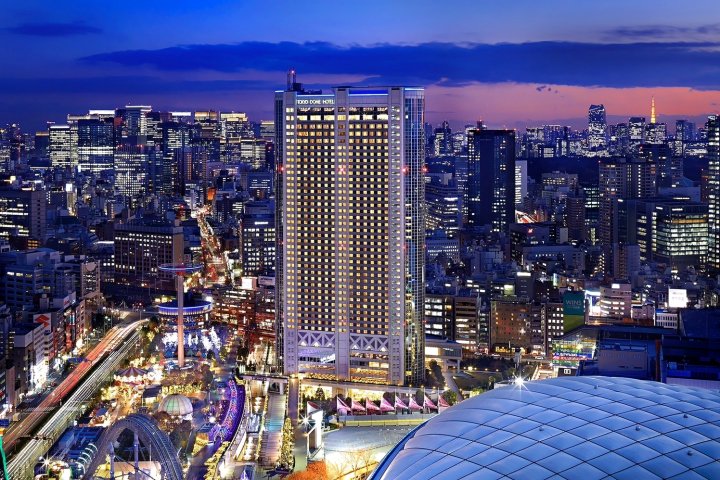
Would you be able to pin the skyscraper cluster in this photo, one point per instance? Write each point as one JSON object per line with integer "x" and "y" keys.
{"x": 355, "y": 233}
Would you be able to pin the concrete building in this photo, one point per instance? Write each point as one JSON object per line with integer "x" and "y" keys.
{"x": 257, "y": 231}
{"x": 28, "y": 357}
{"x": 620, "y": 179}
{"x": 140, "y": 247}
{"x": 455, "y": 317}
{"x": 22, "y": 217}
{"x": 31, "y": 274}
{"x": 511, "y": 321}
{"x": 616, "y": 302}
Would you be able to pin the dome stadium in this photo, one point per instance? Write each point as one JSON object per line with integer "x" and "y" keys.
{"x": 567, "y": 428}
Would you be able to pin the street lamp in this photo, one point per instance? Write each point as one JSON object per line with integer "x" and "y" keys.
{"x": 305, "y": 422}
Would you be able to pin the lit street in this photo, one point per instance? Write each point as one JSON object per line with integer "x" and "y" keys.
{"x": 107, "y": 355}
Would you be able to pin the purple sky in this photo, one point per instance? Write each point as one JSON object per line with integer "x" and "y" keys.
{"x": 508, "y": 63}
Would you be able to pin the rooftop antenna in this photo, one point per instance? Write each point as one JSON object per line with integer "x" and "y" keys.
{"x": 291, "y": 79}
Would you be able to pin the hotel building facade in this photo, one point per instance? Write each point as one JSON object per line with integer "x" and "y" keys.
{"x": 350, "y": 223}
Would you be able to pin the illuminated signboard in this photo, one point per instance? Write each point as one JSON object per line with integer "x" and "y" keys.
{"x": 315, "y": 101}
{"x": 677, "y": 298}
{"x": 573, "y": 310}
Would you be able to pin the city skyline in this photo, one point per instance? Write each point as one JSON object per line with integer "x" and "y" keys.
{"x": 198, "y": 58}
{"x": 360, "y": 240}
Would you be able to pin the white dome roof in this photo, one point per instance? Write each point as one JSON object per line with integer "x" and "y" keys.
{"x": 567, "y": 428}
{"x": 176, "y": 405}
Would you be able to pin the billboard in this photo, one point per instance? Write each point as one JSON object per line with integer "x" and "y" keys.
{"x": 573, "y": 310}
{"x": 677, "y": 298}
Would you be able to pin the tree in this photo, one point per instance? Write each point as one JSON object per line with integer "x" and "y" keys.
{"x": 450, "y": 396}
{"x": 314, "y": 471}
{"x": 437, "y": 373}
{"x": 287, "y": 459}
{"x": 320, "y": 394}
{"x": 351, "y": 464}
{"x": 243, "y": 351}
{"x": 153, "y": 323}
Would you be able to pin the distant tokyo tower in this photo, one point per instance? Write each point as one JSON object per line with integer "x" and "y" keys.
{"x": 652, "y": 110}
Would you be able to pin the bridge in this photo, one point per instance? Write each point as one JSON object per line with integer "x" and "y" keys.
{"x": 22, "y": 464}
{"x": 145, "y": 430}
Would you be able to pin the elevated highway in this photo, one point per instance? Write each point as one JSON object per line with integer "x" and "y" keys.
{"x": 106, "y": 357}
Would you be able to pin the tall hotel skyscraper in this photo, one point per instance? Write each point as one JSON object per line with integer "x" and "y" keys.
{"x": 350, "y": 271}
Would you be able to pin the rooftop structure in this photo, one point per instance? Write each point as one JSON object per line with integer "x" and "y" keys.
{"x": 176, "y": 405}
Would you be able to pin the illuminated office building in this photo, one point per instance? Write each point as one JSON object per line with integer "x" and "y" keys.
{"x": 135, "y": 124}
{"x": 713, "y": 190}
{"x": 680, "y": 233}
{"x": 235, "y": 125}
{"x": 351, "y": 233}
{"x": 636, "y": 129}
{"x": 670, "y": 167}
{"x": 175, "y": 137}
{"x": 615, "y": 301}
{"x": 132, "y": 179}
{"x": 61, "y": 149}
{"x": 442, "y": 143}
{"x": 597, "y": 127}
{"x": 253, "y": 152}
{"x": 684, "y": 133}
{"x": 95, "y": 145}
{"x": 491, "y": 178}
{"x": 455, "y": 317}
{"x": 442, "y": 201}
{"x": 656, "y": 133}
{"x": 267, "y": 130}
{"x": 619, "y": 179}
{"x": 140, "y": 247}
{"x": 22, "y": 217}
{"x": 258, "y": 239}
{"x": 521, "y": 181}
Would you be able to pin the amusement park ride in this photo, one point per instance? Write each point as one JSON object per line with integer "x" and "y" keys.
{"x": 181, "y": 270}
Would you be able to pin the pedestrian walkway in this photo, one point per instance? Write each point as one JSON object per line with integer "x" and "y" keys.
{"x": 272, "y": 434}
{"x": 450, "y": 382}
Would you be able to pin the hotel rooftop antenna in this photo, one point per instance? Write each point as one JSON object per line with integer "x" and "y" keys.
{"x": 291, "y": 80}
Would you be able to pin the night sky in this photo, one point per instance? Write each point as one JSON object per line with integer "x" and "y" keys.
{"x": 509, "y": 63}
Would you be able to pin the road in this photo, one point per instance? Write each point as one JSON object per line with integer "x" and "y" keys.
{"x": 214, "y": 259}
{"x": 108, "y": 355}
